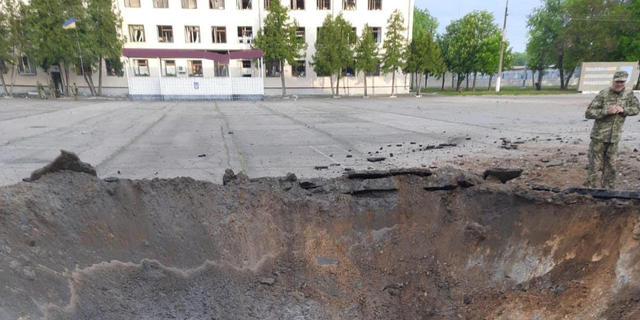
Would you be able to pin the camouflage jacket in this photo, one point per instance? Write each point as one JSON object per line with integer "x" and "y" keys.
{"x": 608, "y": 127}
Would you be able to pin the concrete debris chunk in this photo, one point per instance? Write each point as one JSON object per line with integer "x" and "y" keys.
{"x": 502, "y": 174}
{"x": 228, "y": 176}
{"x": 65, "y": 161}
{"x": 268, "y": 281}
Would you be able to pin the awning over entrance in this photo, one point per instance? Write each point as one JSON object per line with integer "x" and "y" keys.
{"x": 192, "y": 54}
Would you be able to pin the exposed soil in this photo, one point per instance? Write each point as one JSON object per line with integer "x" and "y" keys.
{"x": 73, "y": 246}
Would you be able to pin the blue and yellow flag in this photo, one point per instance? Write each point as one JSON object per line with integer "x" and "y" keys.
{"x": 70, "y": 24}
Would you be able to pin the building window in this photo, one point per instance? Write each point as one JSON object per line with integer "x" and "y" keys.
{"x": 246, "y": 64}
{"x": 300, "y": 71}
{"x": 141, "y": 68}
{"x": 244, "y": 4}
{"x": 26, "y": 67}
{"x": 297, "y": 4}
{"x": 300, "y": 33}
{"x": 245, "y": 34}
{"x": 375, "y": 4}
{"x": 192, "y": 34}
{"x": 219, "y": 34}
{"x": 189, "y": 4}
{"x": 169, "y": 68}
{"x": 375, "y": 73}
{"x": 136, "y": 33}
{"x": 377, "y": 34}
{"x": 108, "y": 65}
{"x": 267, "y": 4}
{"x": 348, "y": 4}
{"x": 349, "y": 72}
{"x": 165, "y": 34}
{"x": 273, "y": 69}
{"x": 161, "y": 3}
{"x": 323, "y": 4}
{"x": 216, "y": 4}
{"x": 195, "y": 68}
{"x": 221, "y": 69}
{"x": 132, "y": 3}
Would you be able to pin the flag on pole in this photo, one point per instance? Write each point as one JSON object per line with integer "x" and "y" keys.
{"x": 70, "y": 24}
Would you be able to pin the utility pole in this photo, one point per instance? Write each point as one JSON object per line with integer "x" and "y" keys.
{"x": 504, "y": 36}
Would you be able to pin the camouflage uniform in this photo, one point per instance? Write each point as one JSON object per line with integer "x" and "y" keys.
{"x": 606, "y": 132}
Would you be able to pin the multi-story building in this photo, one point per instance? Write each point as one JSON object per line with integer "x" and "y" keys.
{"x": 180, "y": 39}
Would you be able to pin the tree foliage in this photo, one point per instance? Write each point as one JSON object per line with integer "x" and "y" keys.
{"x": 394, "y": 56}
{"x": 424, "y": 56}
{"x": 278, "y": 39}
{"x": 334, "y": 48}
{"x": 424, "y": 21}
{"x": 366, "y": 54}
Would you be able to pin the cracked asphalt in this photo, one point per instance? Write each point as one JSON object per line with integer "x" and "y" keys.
{"x": 140, "y": 140}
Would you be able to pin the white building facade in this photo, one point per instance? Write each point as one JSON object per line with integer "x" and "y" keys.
{"x": 173, "y": 41}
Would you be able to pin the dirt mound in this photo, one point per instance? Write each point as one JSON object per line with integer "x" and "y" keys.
{"x": 401, "y": 245}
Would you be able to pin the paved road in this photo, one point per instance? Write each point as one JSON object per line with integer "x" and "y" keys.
{"x": 270, "y": 138}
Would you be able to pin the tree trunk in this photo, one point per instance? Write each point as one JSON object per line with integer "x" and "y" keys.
{"x": 4, "y": 85}
{"x": 459, "y": 85}
{"x": 66, "y": 71}
{"x": 365, "y": 85}
{"x": 338, "y": 85}
{"x": 475, "y": 76}
{"x": 284, "y": 90}
{"x": 100, "y": 77}
{"x": 91, "y": 89}
{"x": 566, "y": 83}
{"x": 561, "y": 70}
{"x": 533, "y": 78}
{"x": 393, "y": 83}
{"x": 13, "y": 80}
{"x": 426, "y": 81}
{"x": 444, "y": 75}
{"x": 539, "y": 84}
{"x": 453, "y": 85}
{"x": 467, "y": 88}
{"x": 419, "y": 85}
{"x": 331, "y": 81}
{"x": 490, "y": 79}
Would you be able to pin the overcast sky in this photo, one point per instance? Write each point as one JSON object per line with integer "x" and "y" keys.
{"x": 447, "y": 10}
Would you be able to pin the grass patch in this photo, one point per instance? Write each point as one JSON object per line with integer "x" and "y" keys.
{"x": 504, "y": 91}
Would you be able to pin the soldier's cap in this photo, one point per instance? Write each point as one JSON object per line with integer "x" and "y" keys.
{"x": 621, "y": 76}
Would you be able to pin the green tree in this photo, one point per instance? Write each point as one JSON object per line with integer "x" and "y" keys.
{"x": 628, "y": 28}
{"x": 343, "y": 39}
{"x": 366, "y": 55}
{"x": 325, "y": 59}
{"x": 5, "y": 48}
{"x": 12, "y": 43}
{"x": 394, "y": 46}
{"x": 489, "y": 57}
{"x": 423, "y": 20}
{"x": 424, "y": 57}
{"x": 519, "y": 58}
{"x": 103, "y": 40}
{"x": 544, "y": 28}
{"x": 279, "y": 41}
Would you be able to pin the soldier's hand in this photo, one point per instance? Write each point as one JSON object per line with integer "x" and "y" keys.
{"x": 612, "y": 110}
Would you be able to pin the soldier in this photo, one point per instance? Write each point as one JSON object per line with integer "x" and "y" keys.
{"x": 609, "y": 108}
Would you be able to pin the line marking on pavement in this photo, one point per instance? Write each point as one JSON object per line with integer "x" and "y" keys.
{"x": 320, "y": 152}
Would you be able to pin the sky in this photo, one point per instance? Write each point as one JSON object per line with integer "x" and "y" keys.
{"x": 447, "y": 10}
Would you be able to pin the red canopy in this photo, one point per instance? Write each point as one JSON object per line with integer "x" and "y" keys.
{"x": 191, "y": 54}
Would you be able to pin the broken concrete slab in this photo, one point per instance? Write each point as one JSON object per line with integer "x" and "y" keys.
{"x": 604, "y": 193}
{"x": 502, "y": 174}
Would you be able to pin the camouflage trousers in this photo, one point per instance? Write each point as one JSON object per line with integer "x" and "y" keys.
{"x": 603, "y": 156}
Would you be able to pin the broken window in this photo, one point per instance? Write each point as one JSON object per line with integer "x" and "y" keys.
{"x": 244, "y": 4}
{"x": 136, "y": 33}
{"x": 141, "y": 68}
{"x": 273, "y": 69}
{"x": 111, "y": 71}
{"x": 245, "y": 34}
{"x": 161, "y": 3}
{"x": 375, "y": 4}
{"x": 26, "y": 67}
{"x": 297, "y": 4}
{"x": 219, "y": 34}
{"x": 348, "y": 4}
{"x": 221, "y": 69}
{"x": 132, "y": 3}
{"x": 216, "y": 4}
{"x": 349, "y": 71}
{"x": 192, "y": 34}
{"x": 300, "y": 33}
{"x": 189, "y": 4}
{"x": 323, "y": 4}
{"x": 165, "y": 34}
{"x": 195, "y": 68}
{"x": 300, "y": 71}
{"x": 169, "y": 68}
{"x": 377, "y": 34}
